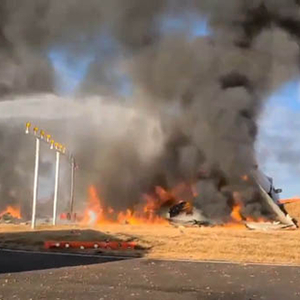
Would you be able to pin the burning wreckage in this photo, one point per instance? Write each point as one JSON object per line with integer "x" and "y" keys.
{"x": 166, "y": 207}
{"x": 184, "y": 214}
{"x": 264, "y": 210}
{"x": 11, "y": 215}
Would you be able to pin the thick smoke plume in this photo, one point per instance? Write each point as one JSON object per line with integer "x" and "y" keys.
{"x": 195, "y": 103}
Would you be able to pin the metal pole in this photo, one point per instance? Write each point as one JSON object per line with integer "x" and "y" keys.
{"x": 72, "y": 186}
{"x": 35, "y": 183}
{"x": 56, "y": 188}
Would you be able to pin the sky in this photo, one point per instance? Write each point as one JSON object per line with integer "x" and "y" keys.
{"x": 278, "y": 148}
{"x": 69, "y": 73}
{"x": 278, "y": 144}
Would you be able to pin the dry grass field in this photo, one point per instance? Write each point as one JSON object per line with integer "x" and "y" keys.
{"x": 294, "y": 210}
{"x": 164, "y": 241}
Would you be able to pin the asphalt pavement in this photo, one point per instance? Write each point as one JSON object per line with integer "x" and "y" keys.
{"x": 12, "y": 261}
{"x": 147, "y": 280}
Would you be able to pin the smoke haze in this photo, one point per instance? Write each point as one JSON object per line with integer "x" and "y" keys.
{"x": 194, "y": 104}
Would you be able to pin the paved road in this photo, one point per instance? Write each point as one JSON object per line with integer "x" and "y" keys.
{"x": 160, "y": 280}
{"x": 21, "y": 261}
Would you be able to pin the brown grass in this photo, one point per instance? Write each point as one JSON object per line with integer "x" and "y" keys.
{"x": 294, "y": 210}
{"x": 229, "y": 244}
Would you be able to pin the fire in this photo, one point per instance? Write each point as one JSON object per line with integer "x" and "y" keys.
{"x": 96, "y": 213}
{"x": 237, "y": 216}
{"x": 236, "y": 213}
{"x": 245, "y": 178}
{"x": 147, "y": 212}
{"x": 15, "y": 212}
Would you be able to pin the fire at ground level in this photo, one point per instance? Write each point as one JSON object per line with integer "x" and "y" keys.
{"x": 164, "y": 207}
{"x": 176, "y": 207}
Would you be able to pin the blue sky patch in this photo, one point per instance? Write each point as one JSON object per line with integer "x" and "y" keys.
{"x": 69, "y": 71}
{"x": 288, "y": 95}
{"x": 192, "y": 23}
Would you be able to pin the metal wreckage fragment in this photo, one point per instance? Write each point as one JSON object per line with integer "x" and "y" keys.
{"x": 283, "y": 221}
{"x": 184, "y": 214}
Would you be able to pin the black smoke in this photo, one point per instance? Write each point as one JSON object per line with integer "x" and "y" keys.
{"x": 196, "y": 100}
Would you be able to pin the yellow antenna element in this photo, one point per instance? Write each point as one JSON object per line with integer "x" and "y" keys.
{"x": 42, "y": 134}
{"x": 56, "y": 145}
{"x": 52, "y": 144}
{"x": 35, "y": 130}
{"x": 28, "y": 124}
{"x": 48, "y": 138}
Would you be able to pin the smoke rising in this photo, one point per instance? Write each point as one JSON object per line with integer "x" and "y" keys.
{"x": 195, "y": 102}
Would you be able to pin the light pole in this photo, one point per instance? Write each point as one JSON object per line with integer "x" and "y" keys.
{"x": 36, "y": 172}
{"x": 60, "y": 149}
{"x": 56, "y": 188}
{"x": 35, "y": 181}
{"x": 73, "y": 166}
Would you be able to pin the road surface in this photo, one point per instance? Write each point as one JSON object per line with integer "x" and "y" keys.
{"x": 21, "y": 261}
{"x": 146, "y": 280}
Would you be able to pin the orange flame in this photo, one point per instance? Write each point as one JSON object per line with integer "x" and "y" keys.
{"x": 15, "y": 212}
{"x": 245, "y": 178}
{"x": 236, "y": 213}
{"x": 96, "y": 213}
{"x": 237, "y": 216}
